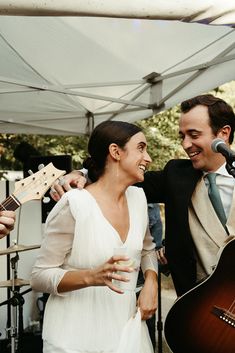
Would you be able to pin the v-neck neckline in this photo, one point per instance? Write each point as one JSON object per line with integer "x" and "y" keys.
{"x": 107, "y": 221}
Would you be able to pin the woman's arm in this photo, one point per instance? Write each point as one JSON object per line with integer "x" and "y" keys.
{"x": 56, "y": 246}
{"x": 99, "y": 276}
{"x": 147, "y": 300}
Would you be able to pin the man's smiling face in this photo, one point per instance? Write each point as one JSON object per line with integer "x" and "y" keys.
{"x": 196, "y": 135}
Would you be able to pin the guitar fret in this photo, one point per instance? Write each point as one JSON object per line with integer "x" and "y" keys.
{"x": 10, "y": 204}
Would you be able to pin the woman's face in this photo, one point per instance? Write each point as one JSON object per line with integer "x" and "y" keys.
{"x": 135, "y": 158}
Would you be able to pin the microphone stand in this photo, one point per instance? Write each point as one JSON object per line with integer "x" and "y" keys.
{"x": 230, "y": 167}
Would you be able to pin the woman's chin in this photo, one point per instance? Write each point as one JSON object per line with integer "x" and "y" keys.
{"x": 140, "y": 179}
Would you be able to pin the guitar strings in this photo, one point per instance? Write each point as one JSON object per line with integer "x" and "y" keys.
{"x": 231, "y": 309}
{"x": 2, "y": 208}
{"x": 8, "y": 203}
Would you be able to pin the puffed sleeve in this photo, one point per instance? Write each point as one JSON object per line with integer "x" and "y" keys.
{"x": 56, "y": 246}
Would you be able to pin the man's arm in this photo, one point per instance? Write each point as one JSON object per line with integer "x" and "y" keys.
{"x": 75, "y": 179}
{"x": 153, "y": 185}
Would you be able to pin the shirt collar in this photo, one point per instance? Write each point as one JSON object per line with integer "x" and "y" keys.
{"x": 221, "y": 171}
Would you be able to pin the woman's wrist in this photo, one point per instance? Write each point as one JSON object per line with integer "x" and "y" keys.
{"x": 89, "y": 278}
{"x": 150, "y": 274}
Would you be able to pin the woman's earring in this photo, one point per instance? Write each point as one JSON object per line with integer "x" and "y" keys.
{"x": 117, "y": 168}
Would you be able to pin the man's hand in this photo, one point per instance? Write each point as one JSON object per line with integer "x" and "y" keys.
{"x": 7, "y": 221}
{"x": 161, "y": 256}
{"x": 75, "y": 179}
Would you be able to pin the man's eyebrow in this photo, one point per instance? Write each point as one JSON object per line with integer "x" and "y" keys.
{"x": 191, "y": 131}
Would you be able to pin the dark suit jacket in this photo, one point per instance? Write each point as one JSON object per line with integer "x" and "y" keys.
{"x": 174, "y": 186}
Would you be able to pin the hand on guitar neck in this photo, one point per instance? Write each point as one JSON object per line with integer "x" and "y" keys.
{"x": 7, "y": 221}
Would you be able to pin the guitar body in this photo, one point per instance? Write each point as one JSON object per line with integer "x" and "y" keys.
{"x": 203, "y": 319}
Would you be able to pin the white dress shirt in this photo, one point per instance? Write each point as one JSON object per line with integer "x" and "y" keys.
{"x": 225, "y": 183}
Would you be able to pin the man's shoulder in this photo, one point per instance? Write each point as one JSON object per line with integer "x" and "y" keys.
{"x": 182, "y": 167}
{"x": 180, "y": 163}
{"x": 172, "y": 168}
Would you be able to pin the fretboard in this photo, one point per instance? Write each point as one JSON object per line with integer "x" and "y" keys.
{"x": 10, "y": 204}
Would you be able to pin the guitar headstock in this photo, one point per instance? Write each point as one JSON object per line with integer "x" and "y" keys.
{"x": 36, "y": 185}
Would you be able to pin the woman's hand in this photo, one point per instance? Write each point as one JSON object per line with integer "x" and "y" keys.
{"x": 103, "y": 275}
{"x": 7, "y": 221}
{"x": 99, "y": 276}
{"x": 72, "y": 180}
{"x": 147, "y": 301}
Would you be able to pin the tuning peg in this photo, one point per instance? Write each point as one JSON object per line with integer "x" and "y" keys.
{"x": 30, "y": 172}
{"x": 46, "y": 199}
{"x": 41, "y": 166}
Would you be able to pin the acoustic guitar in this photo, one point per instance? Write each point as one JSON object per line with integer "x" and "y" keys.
{"x": 32, "y": 188}
{"x": 203, "y": 319}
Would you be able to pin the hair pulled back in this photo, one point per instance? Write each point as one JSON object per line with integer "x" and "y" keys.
{"x": 103, "y": 135}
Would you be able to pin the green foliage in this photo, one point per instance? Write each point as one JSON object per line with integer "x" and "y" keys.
{"x": 161, "y": 132}
{"x": 46, "y": 145}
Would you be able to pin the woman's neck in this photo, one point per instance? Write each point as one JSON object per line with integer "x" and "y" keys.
{"x": 109, "y": 188}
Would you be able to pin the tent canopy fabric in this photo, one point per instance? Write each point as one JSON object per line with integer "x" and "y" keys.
{"x": 64, "y": 75}
{"x": 206, "y": 11}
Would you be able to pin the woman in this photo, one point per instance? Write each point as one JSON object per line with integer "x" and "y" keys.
{"x": 87, "y": 309}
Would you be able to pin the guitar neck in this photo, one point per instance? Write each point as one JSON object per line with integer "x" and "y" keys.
{"x": 10, "y": 204}
{"x": 31, "y": 188}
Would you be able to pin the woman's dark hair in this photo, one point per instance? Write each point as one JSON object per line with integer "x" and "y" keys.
{"x": 220, "y": 112}
{"x": 103, "y": 135}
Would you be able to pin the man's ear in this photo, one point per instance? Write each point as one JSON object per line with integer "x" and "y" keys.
{"x": 224, "y": 133}
{"x": 114, "y": 151}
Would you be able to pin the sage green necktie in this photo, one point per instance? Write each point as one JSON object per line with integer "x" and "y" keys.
{"x": 214, "y": 196}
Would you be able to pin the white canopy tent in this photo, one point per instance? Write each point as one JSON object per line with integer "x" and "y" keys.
{"x": 207, "y": 11}
{"x": 64, "y": 75}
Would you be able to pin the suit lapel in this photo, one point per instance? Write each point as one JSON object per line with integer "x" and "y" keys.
{"x": 231, "y": 219}
{"x": 206, "y": 214}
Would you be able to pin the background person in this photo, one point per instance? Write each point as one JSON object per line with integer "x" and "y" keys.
{"x": 86, "y": 311}
{"x": 155, "y": 223}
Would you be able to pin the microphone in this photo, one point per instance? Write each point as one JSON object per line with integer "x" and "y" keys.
{"x": 219, "y": 146}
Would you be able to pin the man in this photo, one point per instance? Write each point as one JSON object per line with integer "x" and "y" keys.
{"x": 194, "y": 233}
{"x": 7, "y": 221}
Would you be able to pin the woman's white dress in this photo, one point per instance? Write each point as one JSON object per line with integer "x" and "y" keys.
{"x": 78, "y": 236}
